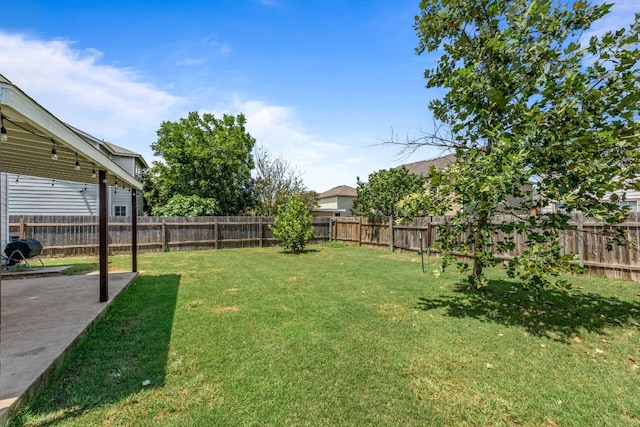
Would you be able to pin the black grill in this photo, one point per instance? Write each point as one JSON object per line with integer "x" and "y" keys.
{"x": 22, "y": 249}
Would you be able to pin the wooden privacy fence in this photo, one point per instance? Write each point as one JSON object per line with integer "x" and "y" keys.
{"x": 78, "y": 235}
{"x": 585, "y": 238}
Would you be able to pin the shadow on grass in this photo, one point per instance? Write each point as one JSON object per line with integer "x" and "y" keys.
{"x": 555, "y": 314}
{"x": 302, "y": 252}
{"x": 128, "y": 346}
{"x": 334, "y": 245}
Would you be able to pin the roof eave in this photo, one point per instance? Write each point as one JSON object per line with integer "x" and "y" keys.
{"x": 15, "y": 100}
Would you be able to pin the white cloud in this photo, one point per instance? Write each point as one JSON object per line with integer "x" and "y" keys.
{"x": 621, "y": 15}
{"x": 116, "y": 104}
{"x": 324, "y": 164}
{"x": 268, "y": 3}
{"x": 221, "y": 48}
{"x": 191, "y": 62}
{"x": 106, "y": 101}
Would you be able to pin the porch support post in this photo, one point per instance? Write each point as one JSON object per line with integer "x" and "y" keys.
{"x": 1, "y": 265}
{"x": 134, "y": 230}
{"x": 103, "y": 237}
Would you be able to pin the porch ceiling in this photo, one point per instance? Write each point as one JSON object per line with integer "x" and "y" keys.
{"x": 31, "y": 131}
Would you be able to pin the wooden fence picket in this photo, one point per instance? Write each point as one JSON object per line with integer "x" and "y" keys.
{"x": 77, "y": 235}
{"x": 585, "y": 239}
{"x": 73, "y": 235}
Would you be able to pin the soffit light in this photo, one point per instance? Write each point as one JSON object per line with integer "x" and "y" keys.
{"x": 3, "y": 131}
{"x": 54, "y": 153}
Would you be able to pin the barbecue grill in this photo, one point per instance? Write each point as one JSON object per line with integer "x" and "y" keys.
{"x": 19, "y": 251}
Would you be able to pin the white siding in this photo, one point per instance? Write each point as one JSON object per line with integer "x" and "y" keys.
{"x": 336, "y": 205}
{"x": 36, "y": 196}
{"x": 41, "y": 196}
{"x": 345, "y": 202}
{"x": 120, "y": 197}
{"x": 328, "y": 203}
{"x": 631, "y": 200}
{"x": 631, "y": 195}
{"x": 4, "y": 219}
{"x": 126, "y": 163}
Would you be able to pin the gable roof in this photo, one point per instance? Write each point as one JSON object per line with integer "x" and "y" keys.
{"x": 109, "y": 147}
{"x": 33, "y": 135}
{"x": 123, "y": 152}
{"x": 341, "y": 190}
{"x": 422, "y": 167}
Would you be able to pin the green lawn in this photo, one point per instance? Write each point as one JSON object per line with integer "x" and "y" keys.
{"x": 345, "y": 336}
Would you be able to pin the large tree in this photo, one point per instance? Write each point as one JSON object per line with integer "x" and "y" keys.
{"x": 190, "y": 206}
{"x": 206, "y": 157}
{"x": 378, "y": 197}
{"x": 528, "y": 98}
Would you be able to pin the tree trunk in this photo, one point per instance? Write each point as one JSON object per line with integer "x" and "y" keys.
{"x": 479, "y": 246}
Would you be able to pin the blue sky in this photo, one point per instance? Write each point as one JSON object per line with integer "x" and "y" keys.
{"x": 322, "y": 83}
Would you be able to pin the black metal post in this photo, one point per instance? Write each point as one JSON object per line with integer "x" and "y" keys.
{"x": 103, "y": 236}
{"x": 134, "y": 230}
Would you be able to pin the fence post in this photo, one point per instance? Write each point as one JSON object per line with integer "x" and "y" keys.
{"x": 165, "y": 245}
{"x": 215, "y": 233}
{"x": 260, "y": 230}
{"x": 580, "y": 239}
{"x": 330, "y": 229}
{"x": 360, "y": 231}
{"x": 23, "y": 229}
{"x": 391, "y": 242}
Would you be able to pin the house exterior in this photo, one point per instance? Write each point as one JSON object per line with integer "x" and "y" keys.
{"x": 35, "y": 143}
{"x": 120, "y": 198}
{"x": 440, "y": 163}
{"x": 423, "y": 166}
{"x": 337, "y": 201}
{"x": 29, "y": 195}
{"x": 631, "y": 201}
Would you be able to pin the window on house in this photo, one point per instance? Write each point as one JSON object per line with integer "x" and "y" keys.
{"x": 633, "y": 205}
{"x": 138, "y": 170}
{"x": 120, "y": 211}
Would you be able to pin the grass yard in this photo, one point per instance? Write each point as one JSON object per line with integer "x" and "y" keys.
{"x": 345, "y": 336}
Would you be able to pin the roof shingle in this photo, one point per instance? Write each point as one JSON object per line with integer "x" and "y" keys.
{"x": 341, "y": 190}
{"x": 422, "y": 167}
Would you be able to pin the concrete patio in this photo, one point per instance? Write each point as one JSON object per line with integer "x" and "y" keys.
{"x": 42, "y": 317}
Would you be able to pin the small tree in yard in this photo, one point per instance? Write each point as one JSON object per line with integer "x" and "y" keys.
{"x": 293, "y": 226}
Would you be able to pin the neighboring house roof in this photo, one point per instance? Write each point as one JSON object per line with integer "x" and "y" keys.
{"x": 342, "y": 190}
{"x": 108, "y": 146}
{"x": 422, "y": 167}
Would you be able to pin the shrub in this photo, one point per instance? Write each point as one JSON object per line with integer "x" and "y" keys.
{"x": 188, "y": 206}
{"x": 293, "y": 225}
